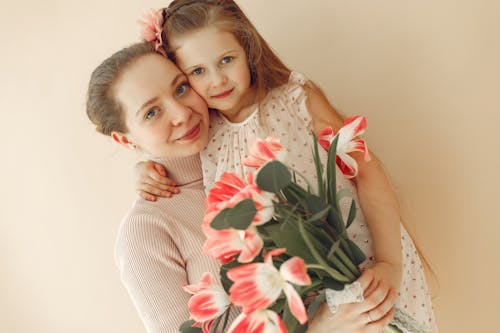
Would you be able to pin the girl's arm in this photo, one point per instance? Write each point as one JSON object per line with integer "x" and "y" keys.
{"x": 152, "y": 181}
{"x": 377, "y": 198}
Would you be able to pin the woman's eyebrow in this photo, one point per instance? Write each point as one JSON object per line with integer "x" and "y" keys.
{"x": 150, "y": 101}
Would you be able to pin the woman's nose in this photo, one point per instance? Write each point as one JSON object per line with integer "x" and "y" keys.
{"x": 180, "y": 113}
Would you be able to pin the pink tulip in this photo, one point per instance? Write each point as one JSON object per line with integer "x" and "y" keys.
{"x": 258, "y": 285}
{"x": 231, "y": 189}
{"x": 208, "y": 302}
{"x": 346, "y": 143}
{"x": 263, "y": 151}
{"x": 151, "y": 25}
{"x": 261, "y": 321}
{"x": 225, "y": 244}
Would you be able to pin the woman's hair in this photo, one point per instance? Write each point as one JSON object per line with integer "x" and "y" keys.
{"x": 102, "y": 107}
{"x": 181, "y": 17}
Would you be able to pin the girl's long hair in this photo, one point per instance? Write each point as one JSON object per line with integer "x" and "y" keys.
{"x": 267, "y": 71}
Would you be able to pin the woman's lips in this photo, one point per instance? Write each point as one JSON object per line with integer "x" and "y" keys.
{"x": 224, "y": 94}
{"x": 191, "y": 134}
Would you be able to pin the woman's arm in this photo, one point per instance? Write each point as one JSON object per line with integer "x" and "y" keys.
{"x": 152, "y": 270}
{"x": 377, "y": 198}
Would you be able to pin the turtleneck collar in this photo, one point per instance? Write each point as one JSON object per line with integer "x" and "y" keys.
{"x": 183, "y": 170}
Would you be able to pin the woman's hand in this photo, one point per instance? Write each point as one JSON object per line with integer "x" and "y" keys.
{"x": 370, "y": 316}
{"x": 152, "y": 181}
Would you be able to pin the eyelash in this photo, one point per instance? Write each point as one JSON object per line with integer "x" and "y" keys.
{"x": 156, "y": 110}
{"x": 151, "y": 113}
{"x": 230, "y": 58}
{"x": 199, "y": 70}
{"x": 185, "y": 85}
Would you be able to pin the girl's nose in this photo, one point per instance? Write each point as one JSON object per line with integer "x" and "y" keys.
{"x": 219, "y": 79}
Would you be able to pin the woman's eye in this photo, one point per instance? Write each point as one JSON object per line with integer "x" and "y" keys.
{"x": 151, "y": 114}
{"x": 182, "y": 88}
{"x": 197, "y": 71}
{"x": 226, "y": 60}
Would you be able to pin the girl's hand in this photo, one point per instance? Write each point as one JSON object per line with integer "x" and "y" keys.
{"x": 152, "y": 181}
{"x": 370, "y": 316}
{"x": 390, "y": 273}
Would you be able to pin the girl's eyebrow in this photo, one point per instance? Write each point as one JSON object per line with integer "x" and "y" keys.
{"x": 199, "y": 65}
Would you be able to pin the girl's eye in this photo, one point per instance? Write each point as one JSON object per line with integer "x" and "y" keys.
{"x": 182, "y": 88}
{"x": 197, "y": 71}
{"x": 226, "y": 60}
{"x": 151, "y": 114}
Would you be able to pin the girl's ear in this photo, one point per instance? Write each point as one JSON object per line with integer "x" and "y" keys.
{"x": 122, "y": 139}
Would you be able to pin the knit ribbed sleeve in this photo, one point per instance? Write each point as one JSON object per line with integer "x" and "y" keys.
{"x": 159, "y": 250}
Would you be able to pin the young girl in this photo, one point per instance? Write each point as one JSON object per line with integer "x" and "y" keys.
{"x": 144, "y": 102}
{"x": 230, "y": 65}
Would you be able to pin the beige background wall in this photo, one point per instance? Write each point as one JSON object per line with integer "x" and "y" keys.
{"x": 425, "y": 73}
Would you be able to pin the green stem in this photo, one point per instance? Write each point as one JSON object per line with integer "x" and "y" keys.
{"x": 345, "y": 259}
{"x": 322, "y": 263}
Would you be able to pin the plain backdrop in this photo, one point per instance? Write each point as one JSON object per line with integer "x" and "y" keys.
{"x": 425, "y": 73}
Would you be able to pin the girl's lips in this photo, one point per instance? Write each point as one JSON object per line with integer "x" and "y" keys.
{"x": 224, "y": 94}
{"x": 191, "y": 134}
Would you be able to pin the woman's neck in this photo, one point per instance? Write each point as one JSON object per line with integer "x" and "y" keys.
{"x": 183, "y": 170}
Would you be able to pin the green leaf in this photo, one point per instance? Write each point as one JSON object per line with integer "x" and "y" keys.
{"x": 359, "y": 256}
{"x": 238, "y": 217}
{"x": 273, "y": 177}
{"x": 352, "y": 214}
{"x": 287, "y": 235}
{"x": 226, "y": 282}
{"x": 333, "y": 249}
{"x": 187, "y": 327}
{"x": 334, "y": 219}
{"x": 314, "y": 204}
{"x": 319, "y": 169}
{"x": 319, "y": 215}
{"x": 330, "y": 171}
{"x": 333, "y": 284}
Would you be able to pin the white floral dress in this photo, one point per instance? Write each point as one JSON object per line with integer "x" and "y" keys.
{"x": 283, "y": 113}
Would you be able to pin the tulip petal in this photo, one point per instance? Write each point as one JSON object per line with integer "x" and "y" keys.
{"x": 256, "y": 286}
{"x": 294, "y": 270}
{"x": 295, "y": 303}
{"x": 264, "y": 321}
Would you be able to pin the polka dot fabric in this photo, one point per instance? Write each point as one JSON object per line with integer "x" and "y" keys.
{"x": 283, "y": 113}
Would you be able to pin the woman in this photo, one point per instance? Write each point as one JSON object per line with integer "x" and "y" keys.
{"x": 143, "y": 101}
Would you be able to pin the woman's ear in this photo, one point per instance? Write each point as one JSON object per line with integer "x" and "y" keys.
{"x": 122, "y": 139}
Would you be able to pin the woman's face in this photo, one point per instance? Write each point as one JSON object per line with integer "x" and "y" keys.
{"x": 164, "y": 115}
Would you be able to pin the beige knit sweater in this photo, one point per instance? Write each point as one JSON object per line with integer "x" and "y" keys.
{"x": 159, "y": 249}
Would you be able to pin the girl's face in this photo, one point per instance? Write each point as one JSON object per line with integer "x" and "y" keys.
{"x": 217, "y": 68}
{"x": 164, "y": 115}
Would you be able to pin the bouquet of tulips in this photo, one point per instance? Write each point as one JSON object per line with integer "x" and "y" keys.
{"x": 279, "y": 243}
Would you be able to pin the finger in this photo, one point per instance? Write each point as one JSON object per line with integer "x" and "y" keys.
{"x": 151, "y": 190}
{"x": 373, "y": 285}
{"x": 160, "y": 169}
{"x": 366, "y": 279}
{"x": 383, "y": 308}
{"x": 376, "y": 297}
{"x": 146, "y": 196}
{"x": 161, "y": 179}
{"x": 150, "y": 183}
{"x": 379, "y": 325}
